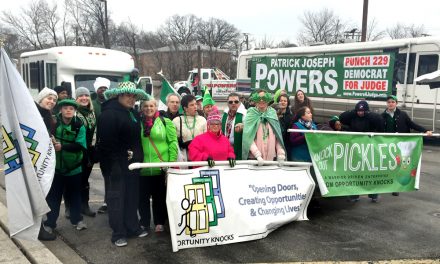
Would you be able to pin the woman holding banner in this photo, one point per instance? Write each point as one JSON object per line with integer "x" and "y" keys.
{"x": 262, "y": 137}
{"x": 212, "y": 145}
{"x": 303, "y": 120}
{"x": 159, "y": 144}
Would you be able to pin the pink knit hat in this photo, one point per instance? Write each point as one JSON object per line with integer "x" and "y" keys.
{"x": 214, "y": 116}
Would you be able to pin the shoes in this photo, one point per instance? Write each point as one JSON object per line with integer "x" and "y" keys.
{"x": 46, "y": 234}
{"x": 374, "y": 198}
{"x": 143, "y": 233}
{"x": 67, "y": 213}
{"x": 80, "y": 226}
{"x": 353, "y": 198}
{"x": 86, "y": 211}
{"x": 159, "y": 228}
{"x": 395, "y": 194}
{"x": 102, "y": 209}
{"x": 122, "y": 242}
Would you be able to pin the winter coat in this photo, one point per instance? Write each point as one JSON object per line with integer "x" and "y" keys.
{"x": 163, "y": 135}
{"x": 73, "y": 143}
{"x": 211, "y": 145}
{"x": 185, "y": 133}
{"x": 286, "y": 120}
{"x": 49, "y": 120}
{"x": 371, "y": 122}
{"x": 235, "y": 138}
{"x": 402, "y": 123}
{"x": 168, "y": 114}
{"x": 88, "y": 119}
{"x": 118, "y": 131}
{"x": 298, "y": 144}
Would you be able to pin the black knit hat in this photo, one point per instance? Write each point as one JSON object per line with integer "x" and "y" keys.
{"x": 60, "y": 89}
{"x": 362, "y": 106}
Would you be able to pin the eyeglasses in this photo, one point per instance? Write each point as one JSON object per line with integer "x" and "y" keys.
{"x": 233, "y": 102}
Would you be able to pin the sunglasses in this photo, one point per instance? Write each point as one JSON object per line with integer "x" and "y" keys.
{"x": 233, "y": 102}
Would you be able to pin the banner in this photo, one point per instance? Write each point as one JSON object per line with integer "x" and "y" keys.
{"x": 214, "y": 206}
{"x": 340, "y": 76}
{"x": 363, "y": 164}
{"x": 29, "y": 156}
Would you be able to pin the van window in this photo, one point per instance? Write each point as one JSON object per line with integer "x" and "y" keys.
{"x": 34, "y": 75}
{"x": 249, "y": 64}
{"x": 427, "y": 64}
{"x": 205, "y": 76}
{"x": 399, "y": 68}
{"x": 51, "y": 75}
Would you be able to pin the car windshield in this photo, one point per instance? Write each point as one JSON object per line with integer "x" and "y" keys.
{"x": 82, "y": 80}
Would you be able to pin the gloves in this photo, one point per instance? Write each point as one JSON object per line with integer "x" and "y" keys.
{"x": 211, "y": 162}
{"x": 260, "y": 161}
{"x": 231, "y": 162}
{"x": 281, "y": 160}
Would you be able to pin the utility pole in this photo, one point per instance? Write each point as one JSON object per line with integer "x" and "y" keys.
{"x": 364, "y": 21}
{"x": 106, "y": 40}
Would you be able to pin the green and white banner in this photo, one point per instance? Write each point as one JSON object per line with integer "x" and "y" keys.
{"x": 222, "y": 205}
{"x": 362, "y": 164}
{"x": 341, "y": 76}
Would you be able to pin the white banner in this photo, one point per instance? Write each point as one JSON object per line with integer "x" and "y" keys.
{"x": 222, "y": 205}
{"x": 29, "y": 156}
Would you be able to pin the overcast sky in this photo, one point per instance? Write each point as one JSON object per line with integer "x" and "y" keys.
{"x": 277, "y": 19}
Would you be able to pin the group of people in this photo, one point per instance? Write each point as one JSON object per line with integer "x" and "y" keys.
{"x": 191, "y": 129}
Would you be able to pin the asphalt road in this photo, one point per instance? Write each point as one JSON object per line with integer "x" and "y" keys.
{"x": 404, "y": 227}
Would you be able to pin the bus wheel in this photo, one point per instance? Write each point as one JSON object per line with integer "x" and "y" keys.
{"x": 183, "y": 91}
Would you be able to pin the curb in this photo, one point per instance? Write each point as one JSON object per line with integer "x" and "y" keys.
{"x": 33, "y": 251}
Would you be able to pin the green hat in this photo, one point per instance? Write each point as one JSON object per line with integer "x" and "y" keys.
{"x": 392, "y": 97}
{"x": 277, "y": 94}
{"x": 334, "y": 118}
{"x": 207, "y": 99}
{"x": 126, "y": 88}
{"x": 70, "y": 102}
{"x": 199, "y": 97}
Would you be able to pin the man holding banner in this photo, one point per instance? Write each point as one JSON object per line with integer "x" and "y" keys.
{"x": 397, "y": 121}
{"x": 362, "y": 120}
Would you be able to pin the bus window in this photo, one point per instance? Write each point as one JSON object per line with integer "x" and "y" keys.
{"x": 88, "y": 81}
{"x": 27, "y": 74}
{"x": 249, "y": 65}
{"x": 34, "y": 75}
{"x": 399, "y": 68}
{"x": 51, "y": 75}
{"x": 427, "y": 64}
{"x": 23, "y": 70}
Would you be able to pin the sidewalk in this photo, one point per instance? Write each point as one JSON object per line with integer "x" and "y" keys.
{"x": 18, "y": 250}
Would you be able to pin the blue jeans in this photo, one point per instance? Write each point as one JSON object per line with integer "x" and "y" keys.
{"x": 72, "y": 185}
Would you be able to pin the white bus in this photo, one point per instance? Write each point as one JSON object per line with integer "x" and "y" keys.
{"x": 336, "y": 76}
{"x": 73, "y": 66}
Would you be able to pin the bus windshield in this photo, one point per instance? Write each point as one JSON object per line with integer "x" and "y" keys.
{"x": 87, "y": 80}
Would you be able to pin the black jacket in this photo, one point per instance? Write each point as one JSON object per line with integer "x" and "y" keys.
{"x": 371, "y": 122}
{"x": 286, "y": 121}
{"x": 403, "y": 124}
{"x": 117, "y": 133}
{"x": 48, "y": 119}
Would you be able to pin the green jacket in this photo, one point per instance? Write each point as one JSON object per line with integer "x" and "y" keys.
{"x": 164, "y": 138}
{"x": 73, "y": 141}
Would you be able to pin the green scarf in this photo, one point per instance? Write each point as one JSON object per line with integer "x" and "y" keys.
{"x": 251, "y": 123}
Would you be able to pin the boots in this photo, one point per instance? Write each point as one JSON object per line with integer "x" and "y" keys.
{"x": 45, "y": 235}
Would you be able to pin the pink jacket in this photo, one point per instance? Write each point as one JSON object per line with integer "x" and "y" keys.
{"x": 267, "y": 149}
{"x": 210, "y": 145}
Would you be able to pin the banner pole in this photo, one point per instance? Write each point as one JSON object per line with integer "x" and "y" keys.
{"x": 135, "y": 166}
{"x": 360, "y": 133}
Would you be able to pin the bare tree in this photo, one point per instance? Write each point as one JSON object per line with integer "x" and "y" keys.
{"x": 399, "y": 31}
{"x": 181, "y": 31}
{"x": 321, "y": 26}
{"x": 373, "y": 33}
{"x": 129, "y": 37}
{"x": 29, "y": 24}
{"x": 264, "y": 42}
{"x": 51, "y": 20}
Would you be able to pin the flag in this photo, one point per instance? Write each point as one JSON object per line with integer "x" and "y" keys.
{"x": 166, "y": 90}
{"x": 29, "y": 156}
